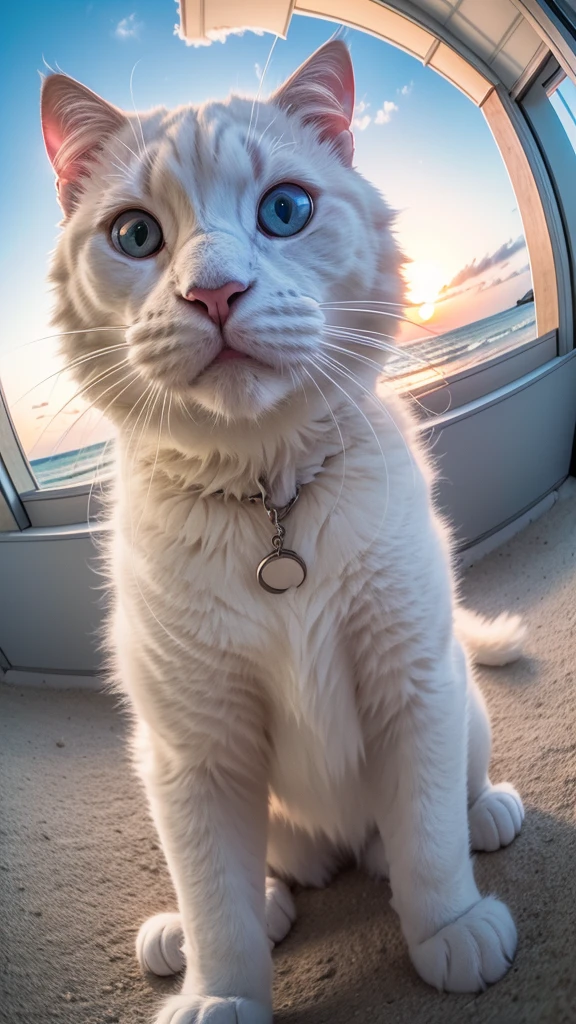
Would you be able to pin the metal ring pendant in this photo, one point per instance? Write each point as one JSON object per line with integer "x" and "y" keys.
{"x": 281, "y": 570}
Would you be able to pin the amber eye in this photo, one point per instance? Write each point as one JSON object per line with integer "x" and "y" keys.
{"x": 136, "y": 234}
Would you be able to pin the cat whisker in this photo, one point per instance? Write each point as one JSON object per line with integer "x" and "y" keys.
{"x": 339, "y": 367}
{"x": 400, "y": 357}
{"x": 374, "y": 363}
{"x": 361, "y": 332}
{"x": 131, "y": 379}
{"x": 63, "y": 436}
{"x": 376, "y": 438}
{"x": 269, "y": 125}
{"x": 107, "y": 407}
{"x": 96, "y": 478}
{"x": 256, "y": 99}
{"x": 284, "y": 144}
{"x": 401, "y": 361}
{"x": 167, "y": 632}
{"x": 336, "y": 303}
{"x": 381, "y": 368}
{"x": 121, "y": 166}
{"x": 346, "y": 332}
{"x": 71, "y": 366}
{"x": 385, "y": 312}
{"x": 337, "y": 425}
{"x": 277, "y": 139}
{"x": 400, "y": 354}
{"x": 151, "y": 393}
{"x": 153, "y": 467}
{"x": 89, "y": 429}
{"x": 64, "y": 334}
{"x": 168, "y": 416}
{"x": 80, "y": 394}
{"x": 186, "y": 409}
{"x": 297, "y": 380}
{"x": 145, "y": 393}
{"x": 120, "y": 141}
{"x": 150, "y": 412}
{"x": 402, "y": 366}
{"x": 143, "y": 150}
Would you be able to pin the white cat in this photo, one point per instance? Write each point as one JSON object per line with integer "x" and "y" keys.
{"x": 206, "y": 269}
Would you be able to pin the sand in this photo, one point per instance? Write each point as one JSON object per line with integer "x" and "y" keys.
{"x": 81, "y": 867}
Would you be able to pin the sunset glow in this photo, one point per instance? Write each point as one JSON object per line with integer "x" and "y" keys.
{"x": 426, "y": 310}
{"x": 425, "y": 280}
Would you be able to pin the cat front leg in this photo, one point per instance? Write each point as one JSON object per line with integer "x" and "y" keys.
{"x": 160, "y": 941}
{"x": 457, "y": 940}
{"x": 211, "y": 818}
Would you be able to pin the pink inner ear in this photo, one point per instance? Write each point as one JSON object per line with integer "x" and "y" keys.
{"x": 53, "y": 137}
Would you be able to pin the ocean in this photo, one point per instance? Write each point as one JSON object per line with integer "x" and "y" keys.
{"x": 75, "y": 467}
{"x": 422, "y": 361}
{"x": 439, "y": 356}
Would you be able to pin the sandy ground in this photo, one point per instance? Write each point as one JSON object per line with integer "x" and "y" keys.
{"x": 81, "y": 867}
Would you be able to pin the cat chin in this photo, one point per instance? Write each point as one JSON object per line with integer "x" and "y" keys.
{"x": 240, "y": 392}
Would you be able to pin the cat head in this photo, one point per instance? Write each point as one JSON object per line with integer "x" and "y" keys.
{"x": 200, "y": 245}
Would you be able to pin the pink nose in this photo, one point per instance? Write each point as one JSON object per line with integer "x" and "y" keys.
{"x": 217, "y": 300}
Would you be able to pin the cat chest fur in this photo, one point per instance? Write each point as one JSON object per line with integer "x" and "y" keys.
{"x": 195, "y": 561}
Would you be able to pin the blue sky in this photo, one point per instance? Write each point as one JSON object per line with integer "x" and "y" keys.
{"x": 429, "y": 149}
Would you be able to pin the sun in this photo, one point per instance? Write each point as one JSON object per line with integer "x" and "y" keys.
{"x": 426, "y": 310}
{"x": 425, "y": 281}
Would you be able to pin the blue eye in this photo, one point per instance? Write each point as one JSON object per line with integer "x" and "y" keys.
{"x": 284, "y": 210}
{"x": 136, "y": 234}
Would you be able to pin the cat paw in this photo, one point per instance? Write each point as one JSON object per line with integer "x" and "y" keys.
{"x": 160, "y": 940}
{"x": 471, "y": 953}
{"x": 188, "y": 1009}
{"x": 495, "y": 818}
{"x": 280, "y": 910}
{"x": 159, "y": 944}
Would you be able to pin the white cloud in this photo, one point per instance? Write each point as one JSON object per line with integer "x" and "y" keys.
{"x": 384, "y": 115}
{"x": 217, "y": 35}
{"x": 220, "y": 35}
{"x": 258, "y": 71}
{"x": 406, "y": 89}
{"x": 361, "y": 119}
{"x": 478, "y": 267}
{"x": 129, "y": 28}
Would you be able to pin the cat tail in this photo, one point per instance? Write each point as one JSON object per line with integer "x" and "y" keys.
{"x": 498, "y": 641}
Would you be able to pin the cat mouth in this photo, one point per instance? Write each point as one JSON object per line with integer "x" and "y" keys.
{"x": 227, "y": 354}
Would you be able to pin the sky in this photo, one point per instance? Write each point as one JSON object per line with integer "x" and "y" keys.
{"x": 422, "y": 142}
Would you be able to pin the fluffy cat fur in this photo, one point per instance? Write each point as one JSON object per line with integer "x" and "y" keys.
{"x": 337, "y": 719}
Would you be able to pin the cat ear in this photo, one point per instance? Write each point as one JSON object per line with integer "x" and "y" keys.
{"x": 75, "y": 123}
{"x": 321, "y": 93}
